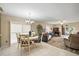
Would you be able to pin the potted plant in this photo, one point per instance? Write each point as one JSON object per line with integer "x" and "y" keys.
{"x": 39, "y": 31}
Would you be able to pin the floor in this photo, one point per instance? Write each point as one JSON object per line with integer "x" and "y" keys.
{"x": 59, "y": 43}
{"x": 40, "y": 49}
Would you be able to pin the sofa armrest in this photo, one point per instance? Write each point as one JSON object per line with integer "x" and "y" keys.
{"x": 66, "y": 39}
{"x": 49, "y": 37}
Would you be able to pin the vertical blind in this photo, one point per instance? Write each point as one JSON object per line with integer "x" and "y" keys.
{"x": 18, "y": 28}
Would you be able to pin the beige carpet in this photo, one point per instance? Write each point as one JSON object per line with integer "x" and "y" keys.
{"x": 58, "y": 42}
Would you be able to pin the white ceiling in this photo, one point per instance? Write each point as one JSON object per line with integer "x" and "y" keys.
{"x": 43, "y": 11}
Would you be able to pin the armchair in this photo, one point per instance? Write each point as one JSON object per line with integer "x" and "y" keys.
{"x": 72, "y": 41}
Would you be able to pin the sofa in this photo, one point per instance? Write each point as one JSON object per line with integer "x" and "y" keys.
{"x": 72, "y": 41}
{"x": 46, "y": 37}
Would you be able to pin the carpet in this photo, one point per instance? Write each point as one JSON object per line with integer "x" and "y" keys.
{"x": 59, "y": 43}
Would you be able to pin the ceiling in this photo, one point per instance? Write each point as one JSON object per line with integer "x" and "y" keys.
{"x": 43, "y": 11}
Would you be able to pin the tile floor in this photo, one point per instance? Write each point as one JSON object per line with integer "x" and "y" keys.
{"x": 42, "y": 49}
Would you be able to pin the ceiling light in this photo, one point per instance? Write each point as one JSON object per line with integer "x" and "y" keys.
{"x": 31, "y": 22}
{"x": 61, "y": 22}
{"x": 27, "y": 21}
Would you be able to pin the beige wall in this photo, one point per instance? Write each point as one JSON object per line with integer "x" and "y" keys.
{"x": 34, "y": 25}
{"x": 0, "y": 29}
{"x": 5, "y": 28}
{"x": 44, "y": 25}
{"x": 75, "y": 25}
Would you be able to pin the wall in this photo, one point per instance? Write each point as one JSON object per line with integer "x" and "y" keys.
{"x": 0, "y": 29}
{"x": 75, "y": 25}
{"x": 5, "y": 28}
{"x": 44, "y": 26}
{"x": 34, "y": 25}
{"x": 59, "y": 26}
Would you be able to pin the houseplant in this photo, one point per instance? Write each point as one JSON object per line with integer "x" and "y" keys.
{"x": 39, "y": 31}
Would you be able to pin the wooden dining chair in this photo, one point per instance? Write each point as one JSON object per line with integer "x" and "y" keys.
{"x": 25, "y": 42}
{"x": 18, "y": 39}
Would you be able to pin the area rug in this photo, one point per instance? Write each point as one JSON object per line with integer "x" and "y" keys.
{"x": 59, "y": 42}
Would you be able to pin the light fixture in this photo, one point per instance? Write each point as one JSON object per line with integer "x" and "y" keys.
{"x": 28, "y": 20}
{"x": 61, "y": 22}
{"x": 31, "y": 22}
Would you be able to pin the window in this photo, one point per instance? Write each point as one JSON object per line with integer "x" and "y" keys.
{"x": 26, "y": 28}
{"x": 18, "y": 28}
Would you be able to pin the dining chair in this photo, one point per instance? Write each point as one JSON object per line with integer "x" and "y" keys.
{"x": 18, "y": 38}
{"x": 26, "y": 42}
